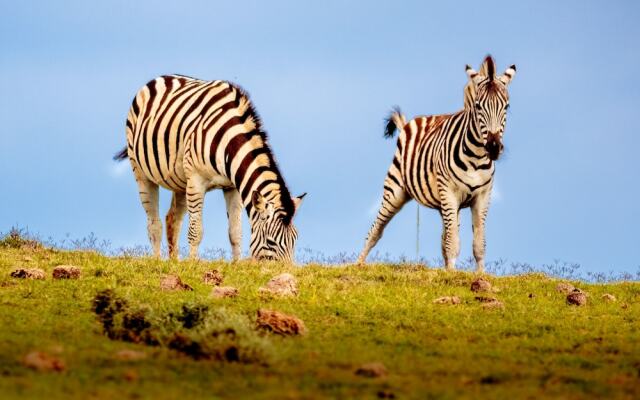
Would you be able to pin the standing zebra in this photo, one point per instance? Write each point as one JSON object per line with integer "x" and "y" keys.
{"x": 191, "y": 136}
{"x": 446, "y": 162}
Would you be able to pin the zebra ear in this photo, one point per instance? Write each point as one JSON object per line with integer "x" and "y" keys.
{"x": 473, "y": 75}
{"x": 297, "y": 201}
{"x": 258, "y": 202}
{"x": 508, "y": 75}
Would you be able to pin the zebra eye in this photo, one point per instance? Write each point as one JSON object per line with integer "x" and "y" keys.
{"x": 506, "y": 107}
{"x": 478, "y": 106}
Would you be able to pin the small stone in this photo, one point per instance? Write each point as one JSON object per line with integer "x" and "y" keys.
{"x": 577, "y": 298}
{"x": 480, "y": 285}
{"x": 41, "y": 361}
{"x": 608, "y": 297}
{"x": 66, "y": 272}
{"x": 28, "y": 273}
{"x": 173, "y": 282}
{"x": 213, "y": 277}
{"x": 372, "y": 370}
{"x": 27, "y": 258}
{"x": 280, "y": 323}
{"x": 281, "y": 285}
{"x": 564, "y": 287}
{"x": 531, "y": 295}
{"x": 130, "y": 355}
{"x": 222, "y": 292}
{"x": 447, "y": 300}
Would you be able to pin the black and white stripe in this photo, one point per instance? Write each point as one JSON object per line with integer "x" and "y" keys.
{"x": 191, "y": 136}
{"x": 446, "y": 162}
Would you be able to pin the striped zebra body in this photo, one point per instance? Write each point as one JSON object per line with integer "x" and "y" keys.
{"x": 447, "y": 162}
{"x": 192, "y": 136}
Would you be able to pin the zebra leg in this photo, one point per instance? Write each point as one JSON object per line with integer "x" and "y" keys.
{"x": 149, "y": 197}
{"x": 195, "y": 200}
{"x": 174, "y": 222}
{"x": 450, "y": 211}
{"x": 479, "y": 210}
{"x": 234, "y": 214}
{"x": 393, "y": 199}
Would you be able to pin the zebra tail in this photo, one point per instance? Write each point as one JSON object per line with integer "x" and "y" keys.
{"x": 121, "y": 155}
{"x": 394, "y": 121}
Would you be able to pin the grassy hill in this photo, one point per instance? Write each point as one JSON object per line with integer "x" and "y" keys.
{"x": 536, "y": 345}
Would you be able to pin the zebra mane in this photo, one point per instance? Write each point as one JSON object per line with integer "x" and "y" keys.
{"x": 285, "y": 196}
{"x": 488, "y": 68}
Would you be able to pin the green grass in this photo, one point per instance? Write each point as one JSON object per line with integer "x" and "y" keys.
{"x": 534, "y": 347}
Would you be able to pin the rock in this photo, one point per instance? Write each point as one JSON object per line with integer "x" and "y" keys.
{"x": 41, "y": 361}
{"x": 66, "y": 272}
{"x": 27, "y": 258}
{"x": 280, "y": 323}
{"x": 372, "y": 370}
{"x": 480, "y": 285}
{"x": 213, "y": 277}
{"x": 447, "y": 300}
{"x": 608, "y": 297}
{"x": 173, "y": 282}
{"x": 577, "y": 298}
{"x": 28, "y": 273}
{"x": 221, "y": 292}
{"x": 564, "y": 287}
{"x": 281, "y": 285}
{"x": 130, "y": 355}
{"x": 531, "y": 295}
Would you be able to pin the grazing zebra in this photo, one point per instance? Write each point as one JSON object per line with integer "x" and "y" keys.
{"x": 191, "y": 136}
{"x": 446, "y": 162}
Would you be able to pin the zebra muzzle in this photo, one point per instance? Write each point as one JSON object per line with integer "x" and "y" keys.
{"x": 494, "y": 145}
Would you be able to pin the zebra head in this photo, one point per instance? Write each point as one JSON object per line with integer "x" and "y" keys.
{"x": 487, "y": 97}
{"x": 273, "y": 236}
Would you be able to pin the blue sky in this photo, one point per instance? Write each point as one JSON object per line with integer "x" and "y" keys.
{"x": 323, "y": 76}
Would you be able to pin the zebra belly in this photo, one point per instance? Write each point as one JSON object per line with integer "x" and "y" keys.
{"x": 168, "y": 173}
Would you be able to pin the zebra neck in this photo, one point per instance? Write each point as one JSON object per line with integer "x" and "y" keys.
{"x": 268, "y": 181}
{"x": 472, "y": 150}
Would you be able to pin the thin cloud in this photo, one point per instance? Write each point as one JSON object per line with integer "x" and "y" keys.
{"x": 118, "y": 169}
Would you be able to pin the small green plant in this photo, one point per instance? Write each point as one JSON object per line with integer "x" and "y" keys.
{"x": 195, "y": 330}
{"x": 19, "y": 238}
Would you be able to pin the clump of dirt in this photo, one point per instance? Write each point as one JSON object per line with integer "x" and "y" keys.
{"x": 173, "y": 282}
{"x": 28, "y": 273}
{"x": 447, "y": 300}
{"x": 481, "y": 285}
{"x": 119, "y": 322}
{"x": 196, "y": 330}
{"x": 213, "y": 277}
{"x": 42, "y": 361}
{"x": 372, "y": 370}
{"x": 280, "y": 323}
{"x": 222, "y": 292}
{"x": 66, "y": 272}
{"x": 192, "y": 315}
{"x": 489, "y": 302}
{"x": 564, "y": 287}
{"x": 282, "y": 285}
{"x": 577, "y": 298}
